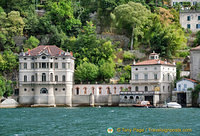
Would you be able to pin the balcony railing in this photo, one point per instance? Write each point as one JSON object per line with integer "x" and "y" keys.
{"x": 45, "y": 82}
{"x": 136, "y": 92}
{"x": 145, "y": 81}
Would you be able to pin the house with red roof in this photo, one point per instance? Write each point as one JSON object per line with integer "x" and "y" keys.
{"x": 46, "y": 76}
{"x": 153, "y": 78}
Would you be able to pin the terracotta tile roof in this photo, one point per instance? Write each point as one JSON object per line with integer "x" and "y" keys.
{"x": 52, "y": 50}
{"x": 153, "y": 62}
{"x": 192, "y": 80}
{"x": 195, "y": 48}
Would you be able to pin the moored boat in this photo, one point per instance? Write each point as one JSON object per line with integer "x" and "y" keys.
{"x": 173, "y": 105}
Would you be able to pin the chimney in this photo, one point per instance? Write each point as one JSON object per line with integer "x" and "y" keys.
{"x": 174, "y": 63}
{"x": 158, "y": 61}
{"x": 29, "y": 52}
{"x": 165, "y": 61}
{"x": 71, "y": 53}
{"x": 133, "y": 62}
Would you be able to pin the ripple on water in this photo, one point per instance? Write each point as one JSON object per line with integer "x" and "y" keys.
{"x": 95, "y": 121}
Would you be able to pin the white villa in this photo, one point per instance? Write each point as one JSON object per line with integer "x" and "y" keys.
{"x": 153, "y": 78}
{"x": 46, "y": 76}
{"x": 46, "y": 79}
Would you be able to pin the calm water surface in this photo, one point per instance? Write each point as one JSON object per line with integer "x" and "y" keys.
{"x": 95, "y": 121}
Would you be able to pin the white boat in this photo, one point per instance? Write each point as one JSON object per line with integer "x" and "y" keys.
{"x": 173, "y": 105}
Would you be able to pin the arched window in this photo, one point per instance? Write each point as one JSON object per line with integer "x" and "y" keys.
{"x": 100, "y": 90}
{"x": 145, "y": 88}
{"x": 92, "y": 90}
{"x": 115, "y": 90}
{"x": 136, "y": 88}
{"x": 63, "y": 78}
{"x": 85, "y": 90}
{"x": 137, "y": 98}
{"x": 77, "y": 91}
{"x": 56, "y": 78}
{"x": 25, "y": 78}
{"x": 51, "y": 77}
{"x": 44, "y": 91}
{"x": 121, "y": 88}
{"x": 129, "y": 88}
{"x": 32, "y": 78}
{"x": 168, "y": 77}
{"x": 43, "y": 77}
{"x": 108, "y": 90}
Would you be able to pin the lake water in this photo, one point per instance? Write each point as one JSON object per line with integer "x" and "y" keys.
{"x": 90, "y": 121}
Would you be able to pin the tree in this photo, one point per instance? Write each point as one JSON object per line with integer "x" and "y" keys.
{"x": 86, "y": 72}
{"x": 31, "y": 43}
{"x": 61, "y": 14}
{"x": 106, "y": 70}
{"x": 5, "y": 87}
{"x": 134, "y": 16}
{"x": 11, "y": 25}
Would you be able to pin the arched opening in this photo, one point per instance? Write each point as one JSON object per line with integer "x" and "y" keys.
{"x": 100, "y": 90}
{"x": 85, "y": 90}
{"x": 115, "y": 90}
{"x": 63, "y": 78}
{"x": 32, "y": 78}
{"x": 108, "y": 90}
{"x": 43, "y": 77}
{"x": 137, "y": 98}
{"x": 125, "y": 97}
{"x": 145, "y": 88}
{"x": 51, "y": 77}
{"x": 44, "y": 91}
{"x": 25, "y": 78}
{"x": 92, "y": 90}
{"x": 136, "y": 88}
{"x": 56, "y": 78}
{"x": 131, "y": 97}
{"x": 77, "y": 91}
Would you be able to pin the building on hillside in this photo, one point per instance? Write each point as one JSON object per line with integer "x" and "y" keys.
{"x": 153, "y": 79}
{"x": 195, "y": 63}
{"x": 183, "y": 91}
{"x": 46, "y": 76}
{"x": 181, "y": 2}
{"x": 190, "y": 19}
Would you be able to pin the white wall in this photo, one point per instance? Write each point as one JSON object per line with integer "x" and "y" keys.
{"x": 180, "y": 85}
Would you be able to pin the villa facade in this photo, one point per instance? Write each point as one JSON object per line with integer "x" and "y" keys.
{"x": 153, "y": 79}
{"x": 46, "y": 76}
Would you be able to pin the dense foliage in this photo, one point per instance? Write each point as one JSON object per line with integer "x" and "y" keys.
{"x": 72, "y": 25}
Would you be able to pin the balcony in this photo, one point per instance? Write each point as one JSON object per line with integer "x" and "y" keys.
{"x": 43, "y": 83}
{"x": 144, "y": 81}
{"x": 137, "y": 92}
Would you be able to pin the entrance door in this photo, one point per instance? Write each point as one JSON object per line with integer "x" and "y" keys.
{"x": 150, "y": 99}
{"x": 181, "y": 99}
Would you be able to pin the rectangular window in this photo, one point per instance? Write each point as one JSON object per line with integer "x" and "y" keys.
{"x": 188, "y": 26}
{"x": 68, "y": 65}
{"x": 56, "y": 65}
{"x": 198, "y": 17}
{"x": 188, "y": 18}
{"x": 25, "y": 65}
{"x": 47, "y": 65}
{"x": 63, "y": 65}
{"x": 51, "y": 65}
{"x": 145, "y": 77}
{"x": 43, "y": 65}
{"x": 155, "y": 76}
{"x": 136, "y": 77}
{"x": 39, "y": 65}
{"x": 32, "y": 65}
{"x": 185, "y": 85}
{"x": 36, "y": 65}
{"x": 197, "y": 26}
